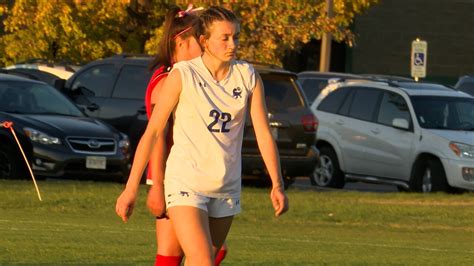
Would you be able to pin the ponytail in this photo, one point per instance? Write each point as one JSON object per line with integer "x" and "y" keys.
{"x": 177, "y": 23}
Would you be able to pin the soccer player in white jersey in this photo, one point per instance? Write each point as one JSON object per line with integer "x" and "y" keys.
{"x": 208, "y": 97}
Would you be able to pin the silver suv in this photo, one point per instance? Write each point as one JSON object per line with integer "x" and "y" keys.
{"x": 418, "y": 136}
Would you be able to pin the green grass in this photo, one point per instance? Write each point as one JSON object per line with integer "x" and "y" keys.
{"x": 76, "y": 224}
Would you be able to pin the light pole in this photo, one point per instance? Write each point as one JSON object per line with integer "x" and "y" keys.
{"x": 325, "y": 57}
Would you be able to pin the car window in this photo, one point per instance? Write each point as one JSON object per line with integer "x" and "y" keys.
{"x": 34, "y": 98}
{"x": 467, "y": 87}
{"x": 465, "y": 112}
{"x": 95, "y": 81}
{"x": 448, "y": 113}
{"x": 333, "y": 101}
{"x": 312, "y": 87}
{"x": 281, "y": 93}
{"x": 393, "y": 106}
{"x": 132, "y": 82}
{"x": 364, "y": 103}
{"x": 346, "y": 105}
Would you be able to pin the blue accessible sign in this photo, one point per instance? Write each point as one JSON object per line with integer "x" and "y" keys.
{"x": 419, "y": 52}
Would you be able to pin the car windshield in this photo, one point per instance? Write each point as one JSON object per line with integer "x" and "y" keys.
{"x": 34, "y": 98}
{"x": 448, "y": 113}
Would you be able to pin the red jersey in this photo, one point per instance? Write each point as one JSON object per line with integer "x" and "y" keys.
{"x": 157, "y": 76}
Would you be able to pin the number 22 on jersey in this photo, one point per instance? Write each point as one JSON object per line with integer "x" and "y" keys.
{"x": 218, "y": 116}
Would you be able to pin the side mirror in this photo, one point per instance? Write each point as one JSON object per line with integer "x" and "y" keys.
{"x": 400, "y": 123}
{"x": 59, "y": 84}
{"x": 81, "y": 91}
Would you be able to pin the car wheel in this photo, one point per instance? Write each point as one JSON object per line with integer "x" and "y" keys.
{"x": 430, "y": 177}
{"x": 327, "y": 173}
{"x": 10, "y": 164}
{"x": 288, "y": 180}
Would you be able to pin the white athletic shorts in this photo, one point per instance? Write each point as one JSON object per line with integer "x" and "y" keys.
{"x": 215, "y": 207}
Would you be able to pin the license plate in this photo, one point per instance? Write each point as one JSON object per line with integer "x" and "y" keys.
{"x": 274, "y": 132}
{"x": 96, "y": 162}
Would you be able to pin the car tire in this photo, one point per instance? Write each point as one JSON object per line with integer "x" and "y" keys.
{"x": 327, "y": 173}
{"x": 288, "y": 180}
{"x": 429, "y": 177}
{"x": 11, "y": 164}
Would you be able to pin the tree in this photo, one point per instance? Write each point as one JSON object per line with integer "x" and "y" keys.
{"x": 84, "y": 30}
{"x": 75, "y": 31}
{"x": 270, "y": 28}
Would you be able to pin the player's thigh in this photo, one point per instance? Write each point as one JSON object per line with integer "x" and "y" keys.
{"x": 191, "y": 226}
{"x": 166, "y": 239}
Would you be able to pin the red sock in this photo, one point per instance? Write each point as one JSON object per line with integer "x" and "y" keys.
{"x": 168, "y": 260}
{"x": 220, "y": 256}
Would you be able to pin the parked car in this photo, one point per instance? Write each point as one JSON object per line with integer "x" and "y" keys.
{"x": 113, "y": 90}
{"x": 293, "y": 127}
{"x": 41, "y": 70}
{"x": 58, "y": 138}
{"x": 382, "y": 77}
{"x": 33, "y": 74}
{"x": 466, "y": 84}
{"x": 418, "y": 136}
{"x": 314, "y": 81}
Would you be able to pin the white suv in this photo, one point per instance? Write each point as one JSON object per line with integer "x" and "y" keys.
{"x": 418, "y": 136}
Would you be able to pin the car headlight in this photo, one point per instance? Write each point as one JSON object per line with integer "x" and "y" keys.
{"x": 462, "y": 150}
{"x": 124, "y": 143}
{"x": 40, "y": 137}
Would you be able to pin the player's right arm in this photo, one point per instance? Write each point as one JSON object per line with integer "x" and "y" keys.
{"x": 167, "y": 100}
{"x": 155, "y": 199}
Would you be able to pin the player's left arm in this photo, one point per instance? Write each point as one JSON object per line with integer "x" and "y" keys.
{"x": 267, "y": 146}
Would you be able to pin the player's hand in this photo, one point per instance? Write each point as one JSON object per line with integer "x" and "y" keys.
{"x": 279, "y": 200}
{"x": 156, "y": 201}
{"x": 125, "y": 204}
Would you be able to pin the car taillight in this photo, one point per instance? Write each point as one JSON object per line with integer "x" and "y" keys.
{"x": 310, "y": 123}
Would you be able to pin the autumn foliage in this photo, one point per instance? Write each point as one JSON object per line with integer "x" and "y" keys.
{"x": 79, "y": 31}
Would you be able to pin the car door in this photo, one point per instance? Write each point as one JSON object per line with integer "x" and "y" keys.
{"x": 92, "y": 86}
{"x": 389, "y": 150}
{"x": 355, "y": 128}
{"x": 125, "y": 109}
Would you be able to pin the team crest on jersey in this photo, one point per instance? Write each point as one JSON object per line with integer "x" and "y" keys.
{"x": 237, "y": 93}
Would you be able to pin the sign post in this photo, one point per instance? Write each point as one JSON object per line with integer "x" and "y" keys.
{"x": 419, "y": 54}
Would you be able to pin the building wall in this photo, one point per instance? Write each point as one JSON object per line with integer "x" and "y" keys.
{"x": 385, "y": 32}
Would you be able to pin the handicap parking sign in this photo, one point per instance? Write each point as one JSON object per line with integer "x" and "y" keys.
{"x": 419, "y": 59}
{"x": 419, "y": 50}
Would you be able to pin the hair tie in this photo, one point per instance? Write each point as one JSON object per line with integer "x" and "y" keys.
{"x": 188, "y": 11}
{"x": 181, "y": 32}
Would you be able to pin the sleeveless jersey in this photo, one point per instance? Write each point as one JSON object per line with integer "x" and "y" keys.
{"x": 209, "y": 121}
{"x": 157, "y": 76}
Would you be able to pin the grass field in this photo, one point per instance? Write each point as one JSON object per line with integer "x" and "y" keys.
{"x": 75, "y": 224}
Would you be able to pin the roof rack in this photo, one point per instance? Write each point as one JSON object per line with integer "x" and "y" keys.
{"x": 389, "y": 82}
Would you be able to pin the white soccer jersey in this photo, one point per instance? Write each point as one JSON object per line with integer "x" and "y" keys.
{"x": 209, "y": 121}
